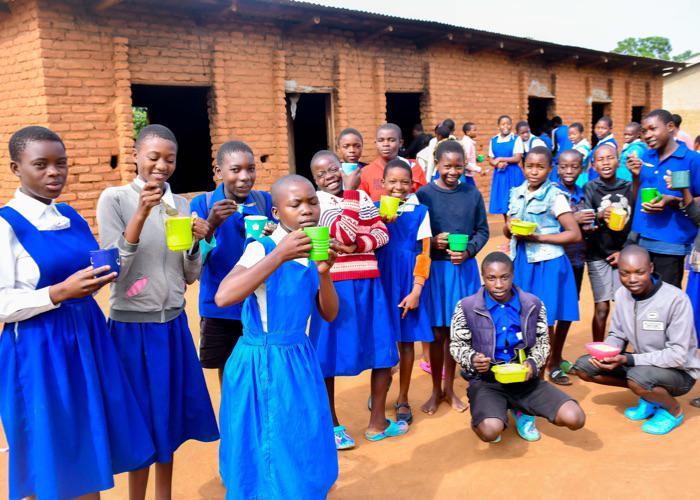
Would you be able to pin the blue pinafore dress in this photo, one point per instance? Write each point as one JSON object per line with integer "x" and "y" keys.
{"x": 68, "y": 411}
{"x": 692, "y": 288}
{"x": 276, "y": 429}
{"x": 503, "y": 179}
{"x": 396, "y": 261}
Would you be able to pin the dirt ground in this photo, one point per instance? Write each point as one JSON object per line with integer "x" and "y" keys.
{"x": 441, "y": 457}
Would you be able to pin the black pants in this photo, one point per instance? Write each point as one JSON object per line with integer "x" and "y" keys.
{"x": 669, "y": 267}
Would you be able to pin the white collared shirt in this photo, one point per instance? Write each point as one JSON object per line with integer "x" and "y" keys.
{"x": 19, "y": 273}
{"x": 517, "y": 147}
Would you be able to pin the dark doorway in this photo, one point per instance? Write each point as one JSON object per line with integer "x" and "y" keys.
{"x": 538, "y": 111}
{"x": 183, "y": 110}
{"x": 403, "y": 109}
{"x": 308, "y": 118}
{"x": 598, "y": 110}
{"x": 638, "y": 113}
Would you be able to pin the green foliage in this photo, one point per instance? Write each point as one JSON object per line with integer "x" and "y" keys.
{"x": 656, "y": 47}
{"x": 685, "y": 55}
{"x": 140, "y": 119}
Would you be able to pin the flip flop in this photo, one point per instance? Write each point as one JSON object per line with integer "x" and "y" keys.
{"x": 393, "y": 429}
{"x": 404, "y": 416}
{"x": 558, "y": 377}
{"x": 695, "y": 402}
{"x": 425, "y": 366}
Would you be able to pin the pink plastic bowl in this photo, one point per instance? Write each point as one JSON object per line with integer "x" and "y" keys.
{"x": 601, "y": 350}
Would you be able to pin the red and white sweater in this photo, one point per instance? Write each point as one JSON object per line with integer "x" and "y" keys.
{"x": 353, "y": 219}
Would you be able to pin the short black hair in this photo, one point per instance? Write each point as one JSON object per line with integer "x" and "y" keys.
{"x": 497, "y": 257}
{"x": 663, "y": 115}
{"x": 397, "y": 163}
{"x": 449, "y": 123}
{"x": 521, "y": 124}
{"x": 323, "y": 154}
{"x": 232, "y": 147}
{"x": 541, "y": 150}
{"x": 155, "y": 130}
{"x": 498, "y": 122}
{"x": 578, "y": 126}
{"x": 576, "y": 154}
{"x": 607, "y": 120}
{"x": 636, "y": 126}
{"x": 443, "y": 131}
{"x": 605, "y": 145}
{"x": 283, "y": 182}
{"x": 677, "y": 119}
{"x": 418, "y": 127}
{"x": 448, "y": 146}
{"x": 467, "y": 127}
{"x": 635, "y": 250}
{"x": 556, "y": 121}
{"x": 390, "y": 126}
{"x": 697, "y": 139}
{"x": 350, "y": 131}
{"x": 34, "y": 133}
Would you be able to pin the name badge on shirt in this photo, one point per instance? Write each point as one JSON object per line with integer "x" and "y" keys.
{"x": 656, "y": 326}
{"x": 519, "y": 335}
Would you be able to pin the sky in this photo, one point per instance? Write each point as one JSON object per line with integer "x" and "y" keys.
{"x": 593, "y": 24}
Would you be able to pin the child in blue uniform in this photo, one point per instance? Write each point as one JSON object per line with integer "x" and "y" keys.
{"x": 505, "y": 158}
{"x": 225, "y": 208}
{"x": 580, "y": 143}
{"x": 276, "y": 430}
{"x": 404, "y": 266}
{"x": 69, "y": 413}
{"x": 147, "y": 306}
{"x": 633, "y": 146}
{"x": 603, "y": 131}
{"x": 455, "y": 207}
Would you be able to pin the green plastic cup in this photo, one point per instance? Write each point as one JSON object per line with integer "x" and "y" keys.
{"x": 680, "y": 179}
{"x": 480, "y": 158}
{"x": 320, "y": 242}
{"x": 650, "y": 195}
{"x": 388, "y": 206}
{"x": 457, "y": 242}
{"x": 254, "y": 225}
{"x": 178, "y": 233}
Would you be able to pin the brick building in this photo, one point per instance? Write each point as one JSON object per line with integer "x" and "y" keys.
{"x": 283, "y": 76}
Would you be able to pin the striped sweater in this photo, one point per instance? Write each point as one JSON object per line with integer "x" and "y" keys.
{"x": 353, "y": 219}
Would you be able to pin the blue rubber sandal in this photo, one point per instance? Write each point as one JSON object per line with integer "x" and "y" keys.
{"x": 642, "y": 411}
{"x": 662, "y": 423}
{"x": 525, "y": 425}
{"x": 393, "y": 429}
{"x": 343, "y": 441}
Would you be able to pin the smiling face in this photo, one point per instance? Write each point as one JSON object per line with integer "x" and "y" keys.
{"x": 635, "y": 273}
{"x": 297, "y": 206}
{"x": 388, "y": 143}
{"x": 155, "y": 159}
{"x": 656, "y": 133}
{"x": 498, "y": 280}
{"x": 505, "y": 125}
{"x": 524, "y": 133}
{"x": 606, "y": 162}
{"x": 42, "y": 169}
{"x": 326, "y": 173}
{"x": 398, "y": 183}
{"x": 350, "y": 148}
{"x": 237, "y": 172}
{"x": 450, "y": 167}
{"x": 537, "y": 169}
{"x": 569, "y": 168}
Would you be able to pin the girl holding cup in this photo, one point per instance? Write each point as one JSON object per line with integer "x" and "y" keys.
{"x": 147, "y": 315}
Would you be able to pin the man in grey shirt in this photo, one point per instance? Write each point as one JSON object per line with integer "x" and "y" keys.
{"x": 656, "y": 320}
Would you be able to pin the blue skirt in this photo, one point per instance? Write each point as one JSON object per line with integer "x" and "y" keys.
{"x": 693, "y": 291}
{"x": 361, "y": 337}
{"x": 447, "y": 285}
{"x": 552, "y": 281}
{"x": 161, "y": 363}
{"x": 396, "y": 272}
{"x": 68, "y": 411}
{"x": 501, "y": 184}
{"x": 276, "y": 429}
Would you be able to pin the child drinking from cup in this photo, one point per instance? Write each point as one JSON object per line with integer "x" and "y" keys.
{"x": 580, "y": 143}
{"x": 518, "y": 320}
{"x": 541, "y": 266}
{"x": 362, "y": 336}
{"x": 274, "y": 370}
{"x": 633, "y": 146}
{"x": 611, "y": 199}
{"x": 225, "y": 209}
{"x": 69, "y": 413}
{"x": 403, "y": 270}
{"x": 505, "y": 154}
{"x": 456, "y": 210}
{"x": 660, "y": 225}
{"x": 603, "y": 131}
{"x": 147, "y": 304}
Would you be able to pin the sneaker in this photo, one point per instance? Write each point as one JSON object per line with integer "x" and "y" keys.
{"x": 662, "y": 422}
{"x": 343, "y": 441}
{"x": 525, "y": 424}
{"x": 642, "y": 411}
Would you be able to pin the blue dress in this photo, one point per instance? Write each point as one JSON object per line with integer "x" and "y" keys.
{"x": 68, "y": 411}
{"x": 503, "y": 179}
{"x": 396, "y": 261}
{"x": 276, "y": 429}
{"x": 693, "y": 290}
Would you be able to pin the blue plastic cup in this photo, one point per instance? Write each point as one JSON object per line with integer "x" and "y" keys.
{"x": 105, "y": 257}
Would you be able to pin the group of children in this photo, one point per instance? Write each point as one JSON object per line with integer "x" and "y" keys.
{"x": 123, "y": 394}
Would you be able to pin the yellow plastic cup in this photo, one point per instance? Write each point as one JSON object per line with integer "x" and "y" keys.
{"x": 388, "y": 206}
{"x": 178, "y": 233}
{"x": 618, "y": 218}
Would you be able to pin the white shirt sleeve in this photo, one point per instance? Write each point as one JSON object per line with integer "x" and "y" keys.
{"x": 253, "y": 254}
{"x": 518, "y": 147}
{"x": 424, "y": 230}
{"x": 536, "y": 141}
{"x": 491, "y": 155}
{"x": 560, "y": 205}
